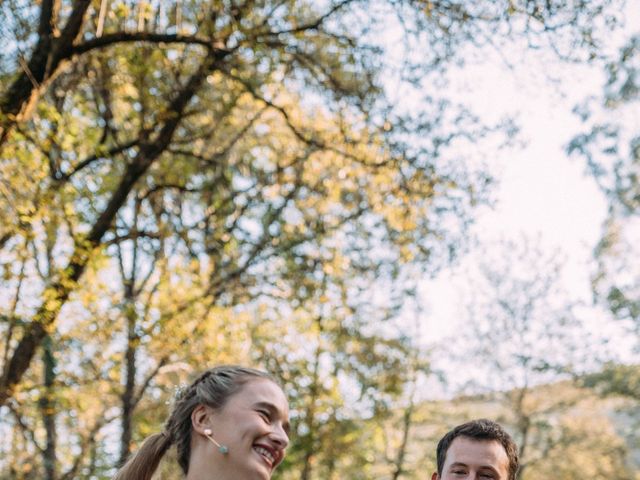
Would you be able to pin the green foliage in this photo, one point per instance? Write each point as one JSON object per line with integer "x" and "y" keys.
{"x": 615, "y": 379}
{"x": 581, "y": 440}
{"x": 610, "y": 146}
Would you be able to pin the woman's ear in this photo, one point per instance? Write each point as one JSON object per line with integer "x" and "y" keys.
{"x": 201, "y": 419}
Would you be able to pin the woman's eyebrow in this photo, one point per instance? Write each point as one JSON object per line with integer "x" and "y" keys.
{"x": 268, "y": 405}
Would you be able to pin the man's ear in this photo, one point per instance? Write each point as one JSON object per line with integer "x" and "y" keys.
{"x": 200, "y": 419}
{"x": 434, "y": 476}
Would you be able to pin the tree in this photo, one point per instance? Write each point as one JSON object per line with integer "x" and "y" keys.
{"x": 241, "y": 50}
{"x": 521, "y": 332}
{"x": 346, "y": 367}
{"x": 248, "y": 145}
{"x": 611, "y": 147}
{"x": 135, "y": 117}
{"x": 583, "y": 439}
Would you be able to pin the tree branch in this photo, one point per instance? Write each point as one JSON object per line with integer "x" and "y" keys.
{"x": 126, "y": 37}
{"x": 132, "y": 236}
{"x": 313, "y": 25}
{"x": 89, "y": 160}
{"x": 147, "y": 381}
{"x": 48, "y": 54}
{"x": 26, "y": 430}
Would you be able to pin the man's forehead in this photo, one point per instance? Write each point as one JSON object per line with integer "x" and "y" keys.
{"x": 476, "y": 452}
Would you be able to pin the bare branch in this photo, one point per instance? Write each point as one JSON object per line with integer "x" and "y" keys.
{"x": 26, "y": 430}
{"x": 147, "y": 381}
{"x": 86, "y": 443}
{"x": 150, "y": 37}
{"x": 315, "y": 24}
{"x": 117, "y": 239}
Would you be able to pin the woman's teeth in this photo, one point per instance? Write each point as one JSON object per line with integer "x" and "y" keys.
{"x": 265, "y": 453}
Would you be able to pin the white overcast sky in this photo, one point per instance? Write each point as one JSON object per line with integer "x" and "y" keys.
{"x": 541, "y": 190}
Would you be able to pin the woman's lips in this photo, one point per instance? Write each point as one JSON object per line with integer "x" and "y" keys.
{"x": 268, "y": 454}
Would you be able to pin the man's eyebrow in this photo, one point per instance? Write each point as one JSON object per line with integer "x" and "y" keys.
{"x": 489, "y": 467}
{"x": 483, "y": 467}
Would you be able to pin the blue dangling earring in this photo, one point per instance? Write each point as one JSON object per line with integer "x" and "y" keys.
{"x": 223, "y": 449}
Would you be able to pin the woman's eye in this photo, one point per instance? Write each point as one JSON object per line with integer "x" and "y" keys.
{"x": 265, "y": 415}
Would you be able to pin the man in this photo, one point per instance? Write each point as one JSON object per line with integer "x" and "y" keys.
{"x": 477, "y": 450}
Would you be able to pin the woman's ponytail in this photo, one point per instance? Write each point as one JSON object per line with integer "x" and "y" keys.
{"x": 143, "y": 464}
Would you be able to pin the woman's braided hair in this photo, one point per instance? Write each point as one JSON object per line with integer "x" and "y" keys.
{"x": 212, "y": 388}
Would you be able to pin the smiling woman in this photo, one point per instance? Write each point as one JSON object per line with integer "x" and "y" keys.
{"x": 230, "y": 423}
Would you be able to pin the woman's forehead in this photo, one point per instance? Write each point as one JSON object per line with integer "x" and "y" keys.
{"x": 263, "y": 390}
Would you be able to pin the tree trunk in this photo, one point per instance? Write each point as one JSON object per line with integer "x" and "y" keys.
{"x": 407, "y": 421}
{"x": 311, "y": 413}
{"x": 130, "y": 368}
{"x": 48, "y": 409}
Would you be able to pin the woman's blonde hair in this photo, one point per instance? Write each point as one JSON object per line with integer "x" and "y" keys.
{"x": 212, "y": 388}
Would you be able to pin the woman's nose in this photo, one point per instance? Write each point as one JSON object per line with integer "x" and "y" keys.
{"x": 280, "y": 436}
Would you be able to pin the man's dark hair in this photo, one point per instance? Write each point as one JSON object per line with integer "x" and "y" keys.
{"x": 481, "y": 429}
